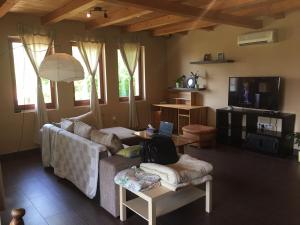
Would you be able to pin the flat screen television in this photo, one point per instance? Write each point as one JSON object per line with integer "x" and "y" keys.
{"x": 254, "y": 92}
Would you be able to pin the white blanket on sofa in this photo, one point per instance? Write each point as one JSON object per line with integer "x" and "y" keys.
{"x": 186, "y": 171}
{"x": 72, "y": 157}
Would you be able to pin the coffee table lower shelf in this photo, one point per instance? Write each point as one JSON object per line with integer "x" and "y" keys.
{"x": 160, "y": 201}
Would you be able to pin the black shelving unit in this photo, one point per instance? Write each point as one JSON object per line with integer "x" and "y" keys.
{"x": 213, "y": 61}
{"x": 232, "y": 131}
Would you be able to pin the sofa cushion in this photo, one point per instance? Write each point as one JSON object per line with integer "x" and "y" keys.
{"x": 126, "y": 135}
{"x": 88, "y": 118}
{"x": 130, "y": 152}
{"x": 56, "y": 124}
{"x": 111, "y": 141}
{"x": 121, "y": 132}
{"x": 82, "y": 129}
{"x": 67, "y": 125}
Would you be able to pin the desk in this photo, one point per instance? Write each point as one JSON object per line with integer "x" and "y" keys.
{"x": 179, "y": 114}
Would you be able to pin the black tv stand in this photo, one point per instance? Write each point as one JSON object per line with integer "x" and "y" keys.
{"x": 239, "y": 127}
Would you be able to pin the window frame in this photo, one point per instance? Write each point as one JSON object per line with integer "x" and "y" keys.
{"x": 140, "y": 75}
{"x": 101, "y": 68}
{"x": 20, "y": 108}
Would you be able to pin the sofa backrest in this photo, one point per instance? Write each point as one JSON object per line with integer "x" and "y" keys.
{"x": 103, "y": 150}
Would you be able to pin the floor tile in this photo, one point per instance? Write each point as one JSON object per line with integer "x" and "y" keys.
{"x": 65, "y": 218}
{"x": 248, "y": 189}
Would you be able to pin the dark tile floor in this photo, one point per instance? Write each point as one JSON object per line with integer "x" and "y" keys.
{"x": 249, "y": 188}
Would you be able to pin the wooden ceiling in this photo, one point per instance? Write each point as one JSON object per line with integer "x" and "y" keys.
{"x": 161, "y": 17}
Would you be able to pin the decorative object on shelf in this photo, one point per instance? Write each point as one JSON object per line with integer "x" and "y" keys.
{"x": 192, "y": 80}
{"x": 61, "y": 67}
{"x": 190, "y": 83}
{"x": 221, "y": 56}
{"x": 196, "y": 76}
{"x": 207, "y": 57}
{"x": 180, "y": 82}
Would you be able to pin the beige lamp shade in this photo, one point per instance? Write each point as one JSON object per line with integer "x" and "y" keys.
{"x": 61, "y": 67}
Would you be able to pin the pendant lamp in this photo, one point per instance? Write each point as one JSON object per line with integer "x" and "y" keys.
{"x": 61, "y": 67}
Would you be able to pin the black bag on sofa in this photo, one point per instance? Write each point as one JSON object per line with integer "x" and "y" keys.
{"x": 160, "y": 149}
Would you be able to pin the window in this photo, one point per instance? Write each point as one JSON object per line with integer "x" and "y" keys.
{"x": 82, "y": 88}
{"x": 25, "y": 80}
{"x": 124, "y": 78}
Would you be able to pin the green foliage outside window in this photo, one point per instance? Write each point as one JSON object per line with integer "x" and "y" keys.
{"x": 46, "y": 89}
{"x": 25, "y": 77}
{"x": 83, "y": 87}
{"x": 124, "y": 78}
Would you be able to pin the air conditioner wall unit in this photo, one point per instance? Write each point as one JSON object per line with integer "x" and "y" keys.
{"x": 262, "y": 37}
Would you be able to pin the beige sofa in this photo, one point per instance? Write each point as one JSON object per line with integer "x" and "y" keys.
{"x": 108, "y": 166}
{"x": 109, "y": 191}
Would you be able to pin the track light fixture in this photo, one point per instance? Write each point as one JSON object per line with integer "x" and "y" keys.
{"x": 97, "y": 9}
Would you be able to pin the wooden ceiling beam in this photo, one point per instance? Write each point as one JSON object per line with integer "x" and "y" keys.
{"x": 284, "y": 7}
{"x": 73, "y": 7}
{"x": 178, "y": 9}
{"x": 259, "y": 9}
{"x": 224, "y": 5}
{"x": 181, "y": 27}
{"x": 155, "y": 22}
{"x": 6, "y": 6}
{"x": 270, "y": 9}
{"x": 160, "y": 21}
{"x": 116, "y": 17}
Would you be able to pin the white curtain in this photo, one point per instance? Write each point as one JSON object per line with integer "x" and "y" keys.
{"x": 37, "y": 47}
{"x": 130, "y": 53}
{"x": 90, "y": 52}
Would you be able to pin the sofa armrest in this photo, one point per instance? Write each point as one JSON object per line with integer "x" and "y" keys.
{"x": 109, "y": 191}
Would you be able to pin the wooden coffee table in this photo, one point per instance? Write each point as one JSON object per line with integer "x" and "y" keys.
{"x": 178, "y": 140}
{"x": 160, "y": 200}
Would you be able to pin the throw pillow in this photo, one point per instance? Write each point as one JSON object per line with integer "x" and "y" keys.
{"x": 82, "y": 129}
{"x": 130, "y": 152}
{"x": 88, "y": 118}
{"x": 67, "y": 125}
{"x": 111, "y": 141}
{"x": 56, "y": 124}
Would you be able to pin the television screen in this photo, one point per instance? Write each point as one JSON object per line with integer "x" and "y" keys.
{"x": 254, "y": 92}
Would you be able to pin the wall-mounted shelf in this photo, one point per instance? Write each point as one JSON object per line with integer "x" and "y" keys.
{"x": 186, "y": 89}
{"x": 213, "y": 61}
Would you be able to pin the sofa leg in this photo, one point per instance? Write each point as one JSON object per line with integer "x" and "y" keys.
{"x": 123, "y": 215}
{"x": 208, "y": 196}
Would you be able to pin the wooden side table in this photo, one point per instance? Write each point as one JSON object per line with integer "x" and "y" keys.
{"x": 159, "y": 201}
